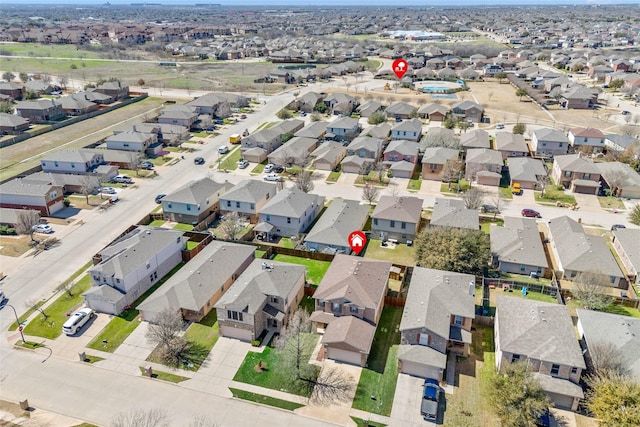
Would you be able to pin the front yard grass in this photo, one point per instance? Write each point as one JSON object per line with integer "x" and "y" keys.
{"x": 401, "y": 254}
{"x": 202, "y": 336}
{"x": 414, "y": 184}
{"x": 380, "y": 377}
{"x": 165, "y": 376}
{"x": 277, "y": 375}
{"x": 361, "y": 423}
{"x": 258, "y": 169}
{"x": 611, "y": 202}
{"x": 333, "y": 177}
{"x": 14, "y": 246}
{"x": 51, "y": 326}
{"x": 552, "y": 195}
{"x": 373, "y": 179}
{"x": 265, "y": 400}
{"x": 315, "y": 269}
{"x": 230, "y": 161}
{"x": 505, "y": 192}
{"x": 464, "y": 186}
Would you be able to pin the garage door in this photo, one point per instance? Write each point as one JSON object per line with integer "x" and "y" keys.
{"x": 56, "y": 207}
{"x": 231, "y": 332}
{"x": 561, "y": 401}
{"x": 420, "y": 370}
{"x": 343, "y": 356}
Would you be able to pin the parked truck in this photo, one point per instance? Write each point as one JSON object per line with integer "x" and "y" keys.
{"x": 429, "y": 405}
{"x": 235, "y": 138}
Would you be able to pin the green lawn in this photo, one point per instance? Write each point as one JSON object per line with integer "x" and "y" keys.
{"x": 552, "y": 195}
{"x": 505, "y": 192}
{"x": 380, "y": 377}
{"x": 401, "y": 254}
{"x": 157, "y": 222}
{"x": 277, "y": 375}
{"x": 230, "y": 161}
{"x": 315, "y": 269}
{"x": 265, "y": 400}
{"x": 414, "y": 184}
{"x": 183, "y": 227}
{"x": 611, "y": 202}
{"x": 286, "y": 242}
{"x": 333, "y": 176}
{"x": 51, "y": 327}
{"x": 202, "y": 336}
{"x": 165, "y": 376}
{"x": 258, "y": 169}
{"x": 191, "y": 245}
{"x": 613, "y": 309}
{"x": 308, "y": 304}
{"x": 464, "y": 186}
{"x": 361, "y": 423}
{"x": 259, "y": 253}
{"x": 372, "y": 179}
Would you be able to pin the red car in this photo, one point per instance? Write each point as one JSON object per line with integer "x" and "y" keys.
{"x": 530, "y": 213}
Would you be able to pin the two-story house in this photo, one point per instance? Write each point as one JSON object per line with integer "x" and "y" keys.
{"x": 541, "y": 335}
{"x": 130, "y": 265}
{"x": 296, "y": 151}
{"x": 396, "y": 218}
{"x": 194, "y": 201}
{"x": 10, "y": 124}
{"x": 436, "y": 320}
{"x": 410, "y": 130}
{"x": 113, "y": 89}
{"x": 467, "y": 110}
{"x": 40, "y": 111}
{"x": 78, "y": 161}
{"x": 196, "y": 288}
{"x": 261, "y": 300}
{"x": 362, "y": 153}
{"x": 401, "y": 157}
{"x": 452, "y": 213}
{"x": 348, "y": 306}
{"x": 12, "y": 89}
{"x": 291, "y": 211}
{"x": 587, "y": 137}
{"x": 247, "y": 198}
{"x": 131, "y": 141}
{"x": 620, "y": 178}
{"x": 484, "y": 166}
{"x": 625, "y": 244}
{"x": 511, "y": 145}
{"x": 576, "y": 172}
{"x": 549, "y": 142}
{"x": 182, "y": 115}
{"x": 330, "y": 233}
{"x": 434, "y": 162}
{"x": 516, "y": 247}
{"x": 46, "y": 197}
{"x": 526, "y": 171}
{"x": 344, "y": 128}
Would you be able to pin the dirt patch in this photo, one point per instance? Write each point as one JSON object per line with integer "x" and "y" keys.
{"x": 14, "y": 246}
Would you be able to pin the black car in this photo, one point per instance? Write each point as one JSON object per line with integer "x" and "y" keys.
{"x": 159, "y": 198}
{"x": 198, "y": 161}
{"x": 278, "y": 169}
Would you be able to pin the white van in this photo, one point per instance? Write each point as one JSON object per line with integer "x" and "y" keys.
{"x": 77, "y": 321}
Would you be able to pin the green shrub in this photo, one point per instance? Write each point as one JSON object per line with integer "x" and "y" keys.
{"x": 255, "y": 343}
{"x": 6, "y": 230}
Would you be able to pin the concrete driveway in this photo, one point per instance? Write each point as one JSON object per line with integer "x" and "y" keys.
{"x": 588, "y": 202}
{"x": 406, "y": 402}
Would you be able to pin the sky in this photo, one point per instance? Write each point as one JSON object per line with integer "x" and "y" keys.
{"x": 393, "y": 3}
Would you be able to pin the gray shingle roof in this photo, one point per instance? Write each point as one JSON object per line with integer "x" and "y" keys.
{"x": 250, "y": 191}
{"x": 422, "y": 354}
{"x": 366, "y": 142}
{"x": 525, "y": 169}
{"x": 477, "y": 138}
{"x": 518, "y": 241}
{"x": 130, "y": 137}
{"x": 313, "y": 130}
{"x": 329, "y": 151}
{"x": 439, "y": 155}
{"x": 484, "y": 156}
{"x": 538, "y": 330}
{"x": 337, "y": 222}
{"x": 11, "y": 120}
{"x": 76, "y": 156}
{"x": 631, "y": 178}
{"x": 550, "y": 135}
{"x": 629, "y": 239}
{"x": 24, "y": 187}
{"x": 197, "y": 191}
{"x": 449, "y": 212}
{"x": 404, "y": 208}
{"x": 349, "y": 333}
{"x": 413, "y": 125}
{"x": 291, "y": 202}
{"x": 506, "y": 141}
{"x": 403, "y": 147}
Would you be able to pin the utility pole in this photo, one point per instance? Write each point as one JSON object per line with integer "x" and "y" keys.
{"x": 18, "y": 323}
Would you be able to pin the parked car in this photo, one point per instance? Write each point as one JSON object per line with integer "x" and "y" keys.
{"x": 122, "y": 179}
{"x": 159, "y": 198}
{"x": 223, "y": 149}
{"x": 544, "y": 420}
{"x": 77, "y": 321}
{"x": 278, "y": 169}
{"x": 616, "y": 226}
{"x": 625, "y": 113}
{"x": 3, "y": 298}
{"x": 500, "y": 126}
{"x": 243, "y": 116}
{"x": 516, "y": 189}
{"x": 242, "y": 163}
{"x": 269, "y": 167}
{"x": 430, "y": 398}
{"x": 530, "y": 213}
{"x": 198, "y": 161}
{"x": 272, "y": 177}
{"x": 108, "y": 190}
{"x": 146, "y": 165}
{"x": 43, "y": 228}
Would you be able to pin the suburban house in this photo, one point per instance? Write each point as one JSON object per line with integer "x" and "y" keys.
{"x": 195, "y": 201}
{"x": 328, "y": 155}
{"x": 19, "y": 193}
{"x": 266, "y": 140}
{"x": 401, "y": 157}
{"x": 12, "y": 90}
{"x": 511, "y": 145}
{"x": 247, "y": 198}
{"x": 625, "y": 243}
{"x": 612, "y": 141}
{"x": 348, "y": 306}
{"x": 549, "y": 142}
{"x": 291, "y": 211}
{"x": 477, "y": 138}
{"x": 526, "y": 171}
{"x": 196, "y": 288}
{"x": 261, "y": 300}
{"x": 296, "y": 151}
{"x": 396, "y": 218}
{"x": 578, "y": 252}
{"x": 307, "y": 102}
{"x": 166, "y": 134}
{"x": 114, "y": 89}
{"x": 131, "y": 141}
{"x": 468, "y": 110}
{"x": 10, "y": 124}
{"x": 71, "y": 183}
{"x": 598, "y": 329}
{"x": 11, "y": 217}
{"x": 401, "y": 110}
{"x": 407, "y": 130}
{"x": 77, "y": 104}
{"x": 587, "y": 137}
{"x": 433, "y": 112}
{"x": 331, "y": 233}
{"x": 578, "y": 97}
{"x": 365, "y": 147}
{"x": 381, "y": 131}
{"x": 72, "y": 161}
{"x": 339, "y": 103}
{"x": 483, "y": 160}
{"x": 452, "y": 213}
{"x": 434, "y": 161}
{"x": 130, "y": 265}
{"x": 356, "y": 164}
{"x": 577, "y": 173}
{"x": 344, "y": 128}
{"x": 517, "y": 248}
{"x": 40, "y": 111}
{"x": 181, "y": 115}
{"x": 620, "y": 178}
{"x": 366, "y": 109}
{"x": 541, "y": 334}
{"x": 436, "y": 320}
{"x": 315, "y": 130}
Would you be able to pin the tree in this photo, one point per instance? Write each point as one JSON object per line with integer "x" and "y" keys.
{"x": 517, "y": 396}
{"x": 614, "y": 399}
{"x": 63, "y": 81}
{"x": 451, "y": 249}
{"x": 232, "y": 225}
{"x": 320, "y": 107}
{"x": 165, "y": 333}
{"x": 315, "y": 117}
{"x": 140, "y": 82}
{"x": 614, "y": 178}
{"x": 370, "y": 193}
{"x": 27, "y": 220}
{"x": 304, "y": 181}
{"x": 223, "y": 110}
{"x": 24, "y": 77}
{"x": 286, "y": 137}
{"x": 463, "y": 125}
{"x": 377, "y": 118}
{"x": 520, "y": 92}
{"x": 139, "y": 418}
{"x": 87, "y": 186}
{"x": 451, "y": 171}
{"x": 616, "y": 84}
{"x": 634, "y": 215}
{"x": 519, "y": 128}
{"x": 30, "y": 95}
{"x": 606, "y": 357}
{"x": 500, "y": 76}
{"x": 542, "y": 181}
{"x": 449, "y": 122}
{"x": 284, "y": 114}
{"x": 332, "y": 385}
{"x": 6, "y": 107}
{"x": 589, "y": 290}
{"x": 8, "y": 76}
{"x": 473, "y": 198}
{"x": 497, "y": 203}
{"x": 133, "y": 160}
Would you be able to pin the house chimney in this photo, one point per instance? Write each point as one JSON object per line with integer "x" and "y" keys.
{"x": 472, "y": 288}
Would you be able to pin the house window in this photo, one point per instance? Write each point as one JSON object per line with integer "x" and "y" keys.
{"x": 169, "y": 205}
{"x": 392, "y": 224}
{"x": 515, "y": 358}
{"x": 275, "y": 300}
{"x": 544, "y": 144}
{"x": 268, "y": 217}
{"x": 252, "y": 206}
{"x": 125, "y": 144}
{"x": 424, "y": 339}
{"x": 151, "y": 278}
{"x": 117, "y": 280}
{"x": 234, "y": 315}
{"x": 586, "y": 176}
{"x": 433, "y": 166}
{"x": 574, "y": 370}
{"x": 522, "y": 267}
{"x": 336, "y": 307}
{"x": 237, "y": 204}
{"x": 188, "y": 207}
{"x": 567, "y": 174}
{"x": 403, "y": 225}
{"x": 560, "y": 145}
{"x": 72, "y": 165}
{"x": 375, "y": 221}
{"x": 458, "y": 320}
{"x": 555, "y": 369}
{"x": 354, "y": 310}
{"x": 228, "y": 203}
{"x": 288, "y": 220}
{"x": 55, "y": 164}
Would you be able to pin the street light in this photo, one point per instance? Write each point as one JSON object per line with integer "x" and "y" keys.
{"x": 18, "y": 323}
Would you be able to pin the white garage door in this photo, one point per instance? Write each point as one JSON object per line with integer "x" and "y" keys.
{"x": 561, "y": 401}
{"x": 419, "y": 370}
{"x": 343, "y": 356}
{"x": 56, "y": 207}
{"x": 231, "y": 332}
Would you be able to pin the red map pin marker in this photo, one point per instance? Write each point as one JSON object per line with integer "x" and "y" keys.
{"x": 357, "y": 241}
{"x": 400, "y": 67}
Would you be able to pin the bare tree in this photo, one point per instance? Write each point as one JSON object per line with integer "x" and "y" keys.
{"x": 370, "y": 193}
{"x": 133, "y": 161}
{"x": 473, "y": 198}
{"x": 232, "y": 225}
{"x": 497, "y": 201}
{"x": 333, "y": 385}
{"x": 166, "y": 333}
{"x": 304, "y": 181}
{"x": 36, "y": 305}
{"x": 451, "y": 171}
{"x": 87, "y": 186}
{"x": 614, "y": 178}
{"x": 140, "y": 418}
{"x": 291, "y": 342}
{"x": 202, "y": 421}
{"x": 605, "y": 357}
{"x": 26, "y": 222}
{"x": 543, "y": 180}
{"x": 223, "y": 110}
{"x": 380, "y": 171}
{"x": 589, "y": 290}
